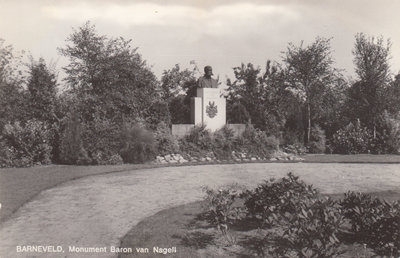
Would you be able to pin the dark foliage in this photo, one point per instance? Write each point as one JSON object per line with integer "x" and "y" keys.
{"x": 373, "y": 222}
{"x": 137, "y": 144}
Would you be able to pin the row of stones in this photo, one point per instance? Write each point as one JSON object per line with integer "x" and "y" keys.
{"x": 236, "y": 156}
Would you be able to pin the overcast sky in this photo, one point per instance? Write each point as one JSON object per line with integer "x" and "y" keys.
{"x": 222, "y": 34}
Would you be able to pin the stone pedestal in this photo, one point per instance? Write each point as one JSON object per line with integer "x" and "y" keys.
{"x": 208, "y": 108}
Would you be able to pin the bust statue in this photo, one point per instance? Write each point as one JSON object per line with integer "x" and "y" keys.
{"x": 207, "y": 81}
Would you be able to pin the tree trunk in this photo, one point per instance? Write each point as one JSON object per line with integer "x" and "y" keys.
{"x": 308, "y": 123}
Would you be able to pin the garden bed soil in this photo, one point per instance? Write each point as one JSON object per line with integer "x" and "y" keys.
{"x": 186, "y": 228}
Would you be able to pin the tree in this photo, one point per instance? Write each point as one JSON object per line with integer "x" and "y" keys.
{"x": 261, "y": 94}
{"x": 371, "y": 59}
{"x": 309, "y": 72}
{"x": 109, "y": 84}
{"x": 177, "y": 87}
{"x": 42, "y": 88}
{"x": 393, "y": 93}
{"x": 108, "y": 76}
{"x": 176, "y": 82}
{"x": 368, "y": 96}
{"x": 247, "y": 89}
{"x": 12, "y": 94}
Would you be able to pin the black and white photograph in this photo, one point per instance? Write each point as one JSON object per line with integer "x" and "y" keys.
{"x": 191, "y": 129}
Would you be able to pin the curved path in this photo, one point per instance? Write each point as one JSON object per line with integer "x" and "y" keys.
{"x": 98, "y": 211}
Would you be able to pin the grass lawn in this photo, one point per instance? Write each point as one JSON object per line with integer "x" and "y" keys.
{"x": 359, "y": 158}
{"x": 186, "y": 228}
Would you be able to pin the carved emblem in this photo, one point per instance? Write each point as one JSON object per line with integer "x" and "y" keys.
{"x": 211, "y": 109}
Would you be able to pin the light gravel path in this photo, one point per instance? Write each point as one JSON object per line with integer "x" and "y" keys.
{"x": 98, "y": 211}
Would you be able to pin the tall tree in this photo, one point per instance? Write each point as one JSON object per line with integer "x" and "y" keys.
{"x": 110, "y": 84}
{"x": 259, "y": 95}
{"x": 371, "y": 59}
{"x": 108, "y": 76}
{"x": 12, "y": 94}
{"x": 42, "y": 88}
{"x": 367, "y": 96}
{"x": 309, "y": 71}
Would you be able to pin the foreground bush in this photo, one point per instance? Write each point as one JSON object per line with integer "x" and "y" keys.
{"x": 374, "y": 222}
{"x": 137, "y": 144}
{"x": 272, "y": 199}
{"x": 25, "y": 144}
{"x": 311, "y": 232}
{"x": 294, "y": 221}
{"x": 308, "y": 225}
{"x": 221, "y": 209}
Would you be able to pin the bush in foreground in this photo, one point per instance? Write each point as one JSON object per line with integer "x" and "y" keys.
{"x": 373, "y": 222}
{"x": 294, "y": 221}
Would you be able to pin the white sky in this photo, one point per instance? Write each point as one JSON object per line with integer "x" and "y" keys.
{"x": 218, "y": 33}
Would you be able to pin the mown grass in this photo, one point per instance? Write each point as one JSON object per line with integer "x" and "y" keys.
{"x": 359, "y": 158}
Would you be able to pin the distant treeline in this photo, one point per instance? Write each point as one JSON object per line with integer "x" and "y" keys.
{"x": 110, "y": 96}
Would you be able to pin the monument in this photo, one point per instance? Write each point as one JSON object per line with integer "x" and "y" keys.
{"x": 208, "y": 108}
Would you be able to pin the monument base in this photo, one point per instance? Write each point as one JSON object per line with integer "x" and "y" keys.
{"x": 208, "y": 109}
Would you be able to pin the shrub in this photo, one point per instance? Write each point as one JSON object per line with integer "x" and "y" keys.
{"x": 158, "y": 113}
{"x": 101, "y": 158}
{"x": 165, "y": 141}
{"x": 272, "y": 199}
{"x": 200, "y": 136}
{"x": 198, "y": 142}
{"x": 7, "y": 155}
{"x": 100, "y": 138}
{"x": 238, "y": 114}
{"x": 308, "y": 225}
{"x": 317, "y": 140}
{"x": 71, "y": 147}
{"x": 256, "y": 142}
{"x": 352, "y": 139}
{"x": 26, "y": 144}
{"x": 388, "y": 136}
{"x": 223, "y": 143}
{"x": 312, "y": 231}
{"x": 297, "y": 149}
{"x": 221, "y": 209}
{"x": 373, "y": 222}
{"x": 137, "y": 144}
{"x": 179, "y": 110}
